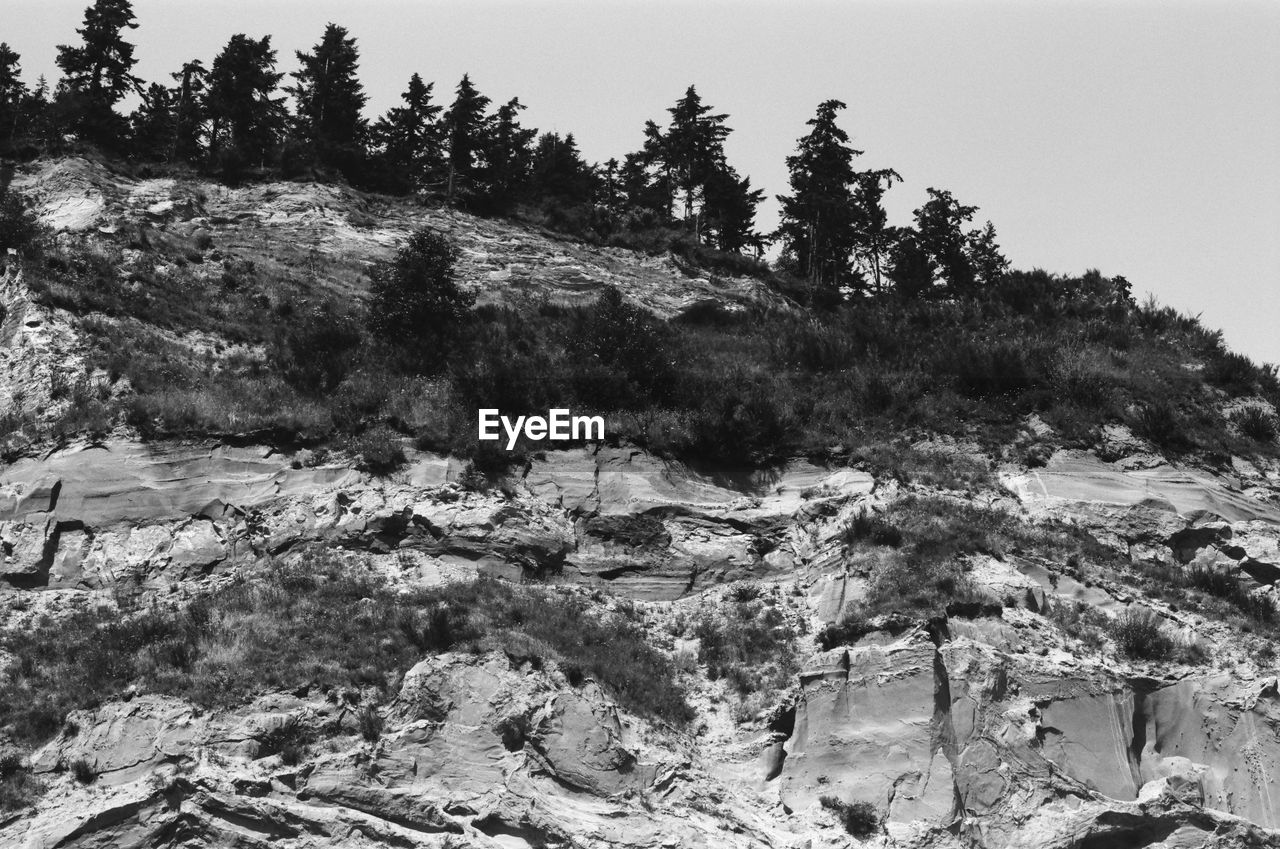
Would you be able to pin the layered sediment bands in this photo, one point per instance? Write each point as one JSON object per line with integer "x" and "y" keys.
{"x": 116, "y": 482}
{"x": 155, "y": 517}
{"x": 1079, "y": 477}
{"x": 476, "y": 751}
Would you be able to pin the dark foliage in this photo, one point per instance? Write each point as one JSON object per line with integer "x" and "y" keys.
{"x": 1256, "y": 423}
{"x": 851, "y": 627}
{"x": 415, "y": 302}
{"x": 1138, "y": 634}
{"x": 859, "y": 819}
{"x": 19, "y": 230}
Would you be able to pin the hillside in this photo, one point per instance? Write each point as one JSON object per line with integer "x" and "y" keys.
{"x": 943, "y": 573}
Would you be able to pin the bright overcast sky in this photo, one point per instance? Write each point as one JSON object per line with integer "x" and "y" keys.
{"x": 1140, "y": 138}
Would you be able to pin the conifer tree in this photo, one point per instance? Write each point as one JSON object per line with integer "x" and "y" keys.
{"x": 559, "y": 171}
{"x": 37, "y": 125}
{"x": 693, "y": 146}
{"x": 940, "y": 224}
{"x": 731, "y": 211}
{"x": 245, "y": 118}
{"x": 189, "y": 116}
{"x": 464, "y": 126}
{"x": 507, "y": 157}
{"x": 874, "y": 236}
{"x": 408, "y": 138}
{"x": 97, "y": 72}
{"x": 154, "y": 125}
{"x": 611, "y": 192}
{"x": 649, "y": 197}
{"x": 329, "y": 98}
{"x": 818, "y": 229}
{"x": 654, "y": 155}
{"x": 910, "y": 268}
{"x": 13, "y": 96}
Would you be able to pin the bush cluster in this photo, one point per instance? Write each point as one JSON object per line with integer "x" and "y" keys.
{"x": 1138, "y": 634}
{"x": 748, "y": 642}
{"x": 747, "y": 387}
{"x": 322, "y": 624}
{"x": 860, "y": 819}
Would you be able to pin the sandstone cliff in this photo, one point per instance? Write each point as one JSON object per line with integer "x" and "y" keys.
{"x": 1014, "y": 720}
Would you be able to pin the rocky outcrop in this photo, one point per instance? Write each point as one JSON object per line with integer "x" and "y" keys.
{"x": 502, "y": 261}
{"x": 1003, "y": 724}
{"x": 158, "y": 517}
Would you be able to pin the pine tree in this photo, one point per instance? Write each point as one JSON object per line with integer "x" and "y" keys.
{"x": 654, "y": 155}
{"x": 611, "y": 191}
{"x": 97, "y": 73}
{"x": 154, "y": 125}
{"x": 329, "y": 99}
{"x": 190, "y": 120}
{"x": 464, "y": 125}
{"x": 731, "y": 211}
{"x": 647, "y": 196}
{"x": 874, "y": 236}
{"x": 940, "y": 223}
{"x": 38, "y": 123}
{"x": 508, "y": 159}
{"x": 910, "y": 268}
{"x": 693, "y": 146}
{"x": 408, "y": 139}
{"x": 13, "y": 96}
{"x": 246, "y": 120}
{"x": 818, "y": 227}
{"x": 559, "y": 171}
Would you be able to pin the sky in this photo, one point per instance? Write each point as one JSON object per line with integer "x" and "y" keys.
{"x": 1136, "y": 137}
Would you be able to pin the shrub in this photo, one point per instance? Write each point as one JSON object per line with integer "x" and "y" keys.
{"x": 859, "y": 819}
{"x": 750, "y": 644}
{"x": 1220, "y": 584}
{"x": 415, "y": 301}
{"x": 289, "y": 740}
{"x": 846, "y": 631}
{"x": 871, "y": 527}
{"x": 370, "y": 723}
{"x": 82, "y": 771}
{"x": 318, "y": 623}
{"x": 19, "y": 229}
{"x": 1235, "y": 373}
{"x": 1161, "y": 423}
{"x": 18, "y": 787}
{"x": 990, "y": 368}
{"x": 1255, "y": 422}
{"x": 380, "y": 449}
{"x": 315, "y": 349}
{"x": 1138, "y": 634}
{"x": 625, "y": 337}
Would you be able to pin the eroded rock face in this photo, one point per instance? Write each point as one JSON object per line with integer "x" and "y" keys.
{"x": 160, "y": 517}
{"x": 475, "y": 752}
{"x": 991, "y": 728}
{"x": 502, "y": 261}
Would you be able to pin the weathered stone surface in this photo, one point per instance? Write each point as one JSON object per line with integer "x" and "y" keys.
{"x": 1017, "y": 727}
{"x": 1080, "y": 477}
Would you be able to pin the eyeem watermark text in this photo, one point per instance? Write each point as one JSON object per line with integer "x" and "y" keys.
{"x": 558, "y": 424}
